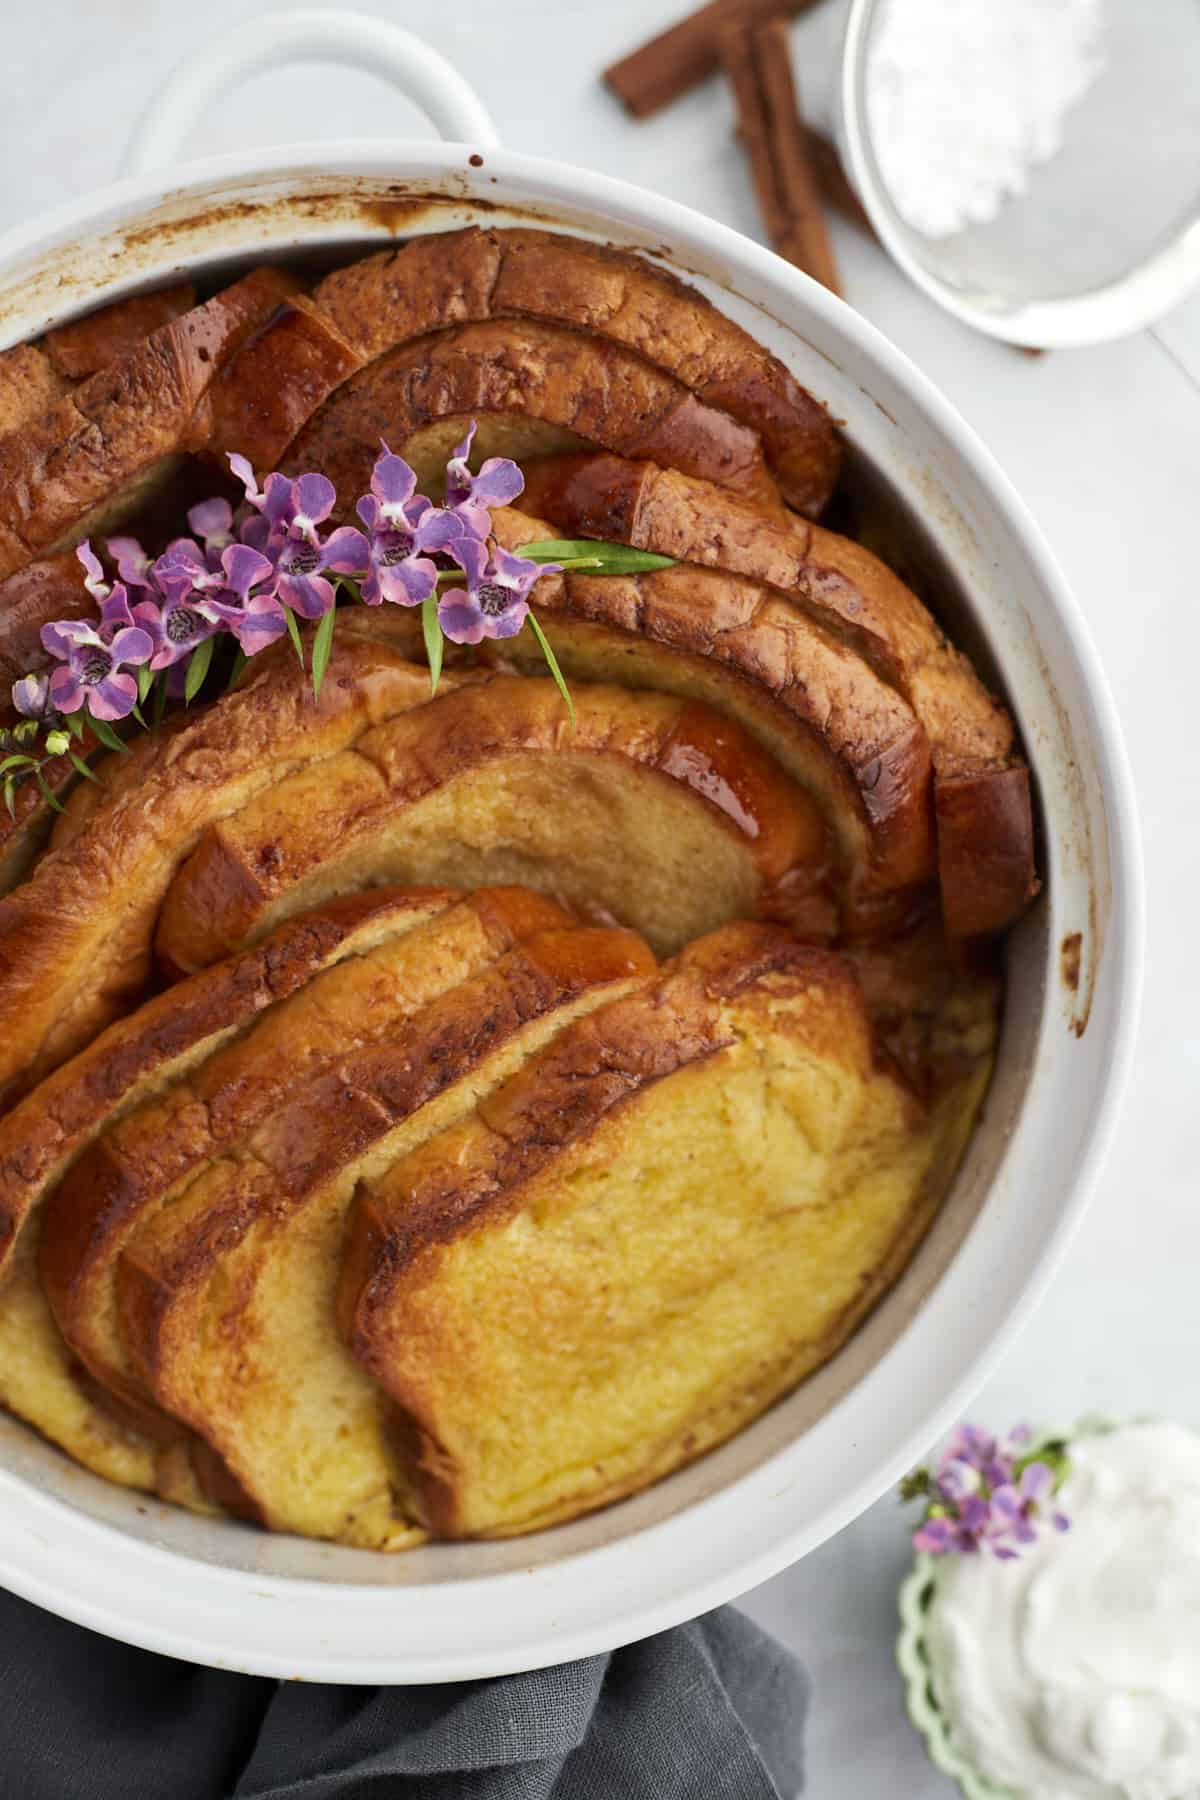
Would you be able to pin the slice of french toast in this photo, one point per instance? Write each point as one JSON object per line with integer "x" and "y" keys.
{"x": 532, "y": 389}
{"x": 651, "y": 811}
{"x": 848, "y": 738}
{"x": 982, "y": 802}
{"x": 146, "y": 1159}
{"x": 75, "y": 938}
{"x": 93, "y": 456}
{"x": 227, "y": 1294}
{"x": 138, "y": 1061}
{"x": 651, "y": 1232}
{"x": 452, "y": 278}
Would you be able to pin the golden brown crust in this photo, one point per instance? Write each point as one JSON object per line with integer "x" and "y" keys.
{"x": 589, "y": 388}
{"x": 78, "y": 349}
{"x": 41, "y": 1135}
{"x": 850, "y": 593}
{"x": 272, "y": 385}
{"x": 75, "y": 938}
{"x": 93, "y": 453}
{"x": 504, "y": 749}
{"x": 343, "y": 999}
{"x": 831, "y": 722}
{"x": 663, "y": 1222}
{"x": 190, "y": 1279}
{"x": 29, "y": 385}
{"x": 458, "y": 277}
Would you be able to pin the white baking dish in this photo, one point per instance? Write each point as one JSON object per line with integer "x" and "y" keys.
{"x": 225, "y": 1594}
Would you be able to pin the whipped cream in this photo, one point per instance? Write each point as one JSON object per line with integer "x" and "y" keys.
{"x": 1074, "y": 1672}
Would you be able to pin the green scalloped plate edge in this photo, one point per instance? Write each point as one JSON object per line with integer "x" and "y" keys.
{"x": 917, "y": 1593}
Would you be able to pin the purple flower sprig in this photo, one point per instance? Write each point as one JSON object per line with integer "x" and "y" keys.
{"x": 250, "y": 577}
{"x": 988, "y": 1494}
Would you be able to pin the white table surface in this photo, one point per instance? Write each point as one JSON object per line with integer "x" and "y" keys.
{"x": 1105, "y": 446}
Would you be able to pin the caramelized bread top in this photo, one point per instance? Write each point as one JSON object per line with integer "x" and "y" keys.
{"x": 458, "y": 277}
{"x": 493, "y": 782}
{"x": 75, "y": 938}
{"x": 576, "y": 388}
{"x": 981, "y": 784}
{"x": 74, "y": 465}
{"x": 140, "y": 1054}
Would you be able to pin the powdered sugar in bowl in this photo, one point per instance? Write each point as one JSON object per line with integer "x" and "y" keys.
{"x": 1031, "y": 166}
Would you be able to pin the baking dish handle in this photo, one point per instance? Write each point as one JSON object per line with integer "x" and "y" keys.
{"x": 313, "y": 34}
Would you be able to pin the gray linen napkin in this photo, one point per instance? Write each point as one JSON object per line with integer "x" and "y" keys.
{"x": 714, "y": 1709}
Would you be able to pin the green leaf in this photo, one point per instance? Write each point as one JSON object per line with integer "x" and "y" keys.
{"x": 594, "y": 554}
{"x": 435, "y": 643}
{"x": 10, "y": 798}
{"x": 81, "y": 768}
{"x": 552, "y": 665}
{"x": 197, "y": 669}
{"x": 294, "y": 633}
{"x": 235, "y": 674}
{"x": 322, "y": 646}
{"x": 104, "y": 731}
{"x": 48, "y": 794}
{"x": 145, "y": 681}
{"x": 57, "y": 743}
{"x": 160, "y": 699}
{"x": 74, "y": 724}
{"x": 17, "y": 761}
{"x": 25, "y": 732}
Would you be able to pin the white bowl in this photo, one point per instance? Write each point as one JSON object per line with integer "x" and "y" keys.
{"x": 224, "y": 1594}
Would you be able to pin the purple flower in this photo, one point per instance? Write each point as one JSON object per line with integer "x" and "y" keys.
{"x": 96, "y": 658}
{"x": 255, "y": 620}
{"x": 94, "y": 578}
{"x": 495, "y": 603}
{"x": 31, "y": 696}
{"x": 471, "y": 496}
{"x": 286, "y": 532}
{"x": 410, "y": 538}
{"x": 986, "y": 1494}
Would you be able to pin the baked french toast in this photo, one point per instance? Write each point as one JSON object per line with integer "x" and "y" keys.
{"x": 227, "y": 1295}
{"x": 551, "y": 388}
{"x": 981, "y": 783}
{"x": 647, "y": 810}
{"x": 433, "y": 283}
{"x": 437, "y": 1101}
{"x": 644, "y": 1237}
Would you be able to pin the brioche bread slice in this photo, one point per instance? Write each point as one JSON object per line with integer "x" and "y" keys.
{"x": 97, "y": 452}
{"x": 532, "y": 389}
{"x": 982, "y": 799}
{"x": 274, "y": 383}
{"x": 851, "y": 741}
{"x": 651, "y": 811}
{"x": 134, "y": 1062}
{"x": 656, "y": 1228}
{"x": 33, "y": 377}
{"x": 453, "y": 278}
{"x": 75, "y": 938}
{"x": 145, "y": 1159}
{"x": 227, "y": 1295}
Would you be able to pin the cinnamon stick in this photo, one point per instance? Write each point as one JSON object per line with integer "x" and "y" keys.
{"x": 759, "y": 66}
{"x": 681, "y": 57}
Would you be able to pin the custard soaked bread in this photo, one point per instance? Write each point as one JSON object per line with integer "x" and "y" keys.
{"x": 652, "y": 1231}
{"x": 227, "y": 1295}
{"x": 75, "y": 939}
{"x": 453, "y": 278}
{"x": 651, "y": 811}
{"x": 87, "y": 462}
{"x": 841, "y": 732}
{"x": 981, "y": 783}
{"x": 532, "y": 389}
{"x": 137, "y": 1063}
{"x": 147, "y": 1158}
